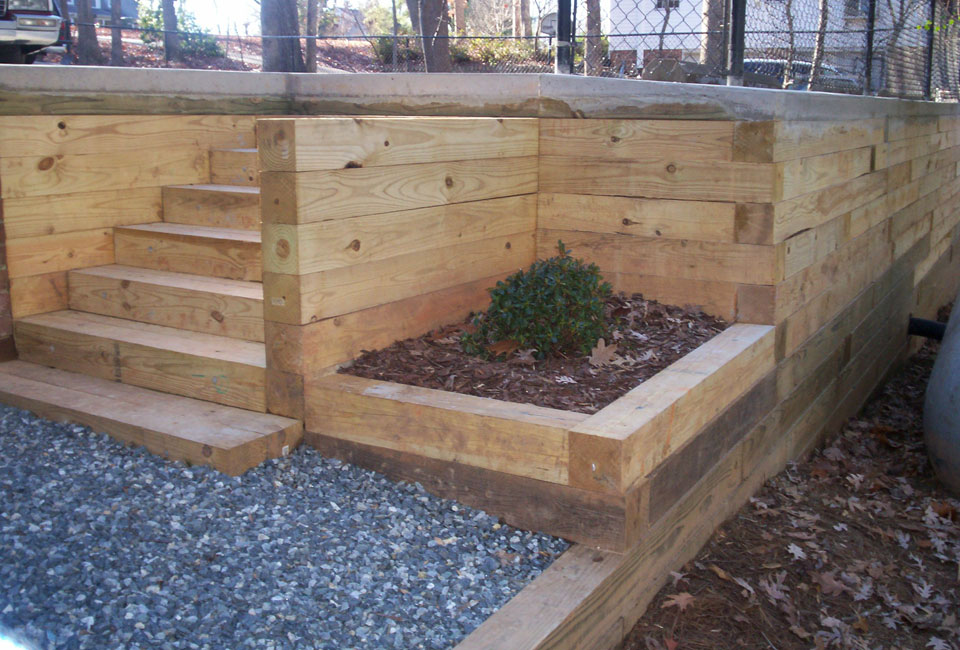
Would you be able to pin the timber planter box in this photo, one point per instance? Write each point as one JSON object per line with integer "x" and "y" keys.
{"x": 598, "y": 479}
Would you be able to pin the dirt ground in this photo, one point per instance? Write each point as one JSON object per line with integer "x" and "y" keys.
{"x": 856, "y": 547}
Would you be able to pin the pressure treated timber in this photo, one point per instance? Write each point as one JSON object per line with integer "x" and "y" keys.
{"x": 692, "y": 260}
{"x": 190, "y": 302}
{"x": 664, "y": 178}
{"x": 790, "y": 140}
{"x": 715, "y": 298}
{"x": 625, "y": 441}
{"x": 806, "y": 175}
{"x": 217, "y": 206}
{"x": 329, "y": 245}
{"x": 303, "y": 299}
{"x": 212, "y": 368}
{"x": 302, "y": 349}
{"x": 228, "y": 439}
{"x": 697, "y": 220}
{"x": 299, "y": 144}
{"x": 592, "y": 518}
{"x": 200, "y": 250}
{"x": 307, "y": 197}
{"x": 38, "y": 294}
{"x": 234, "y": 167}
{"x": 57, "y": 174}
{"x": 67, "y": 134}
{"x": 38, "y": 216}
{"x": 519, "y": 439}
{"x": 638, "y": 140}
{"x": 62, "y": 252}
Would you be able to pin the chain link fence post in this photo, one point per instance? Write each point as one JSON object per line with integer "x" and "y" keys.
{"x": 564, "y": 60}
{"x": 736, "y": 27}
{"x": 868, "y": 60}
{"x": 928, "y": 67}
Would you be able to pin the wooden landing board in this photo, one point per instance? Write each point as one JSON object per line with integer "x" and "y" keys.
{"x": 190, "y": 302}
{"x": 624, "y": 442}
{"x": 228, "y": 439}
{"x": 314, "y": 144}
{"x": 234, "y": 167}
{"x": 218, "y": 252}
{"x": 519, "y": 439}
{"x": 216, "y": 206}
{"x": 213, "y": 368}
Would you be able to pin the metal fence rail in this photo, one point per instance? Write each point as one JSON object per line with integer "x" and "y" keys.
{"x": 900, "y": 48}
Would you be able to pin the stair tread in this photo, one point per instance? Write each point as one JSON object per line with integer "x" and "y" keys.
{"x": 197, "y": 344}
{"x": 229, "y": 438}
{"x": 238, "y": 288}
{"x": 238, "y": 150}
{"x": 187, "y": 230}
{"x": 211, "y": 187}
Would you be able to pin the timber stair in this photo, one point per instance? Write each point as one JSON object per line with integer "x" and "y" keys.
{"x": 175, "y": 326}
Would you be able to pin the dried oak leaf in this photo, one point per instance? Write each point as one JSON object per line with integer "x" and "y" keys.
{"x": 524, "y": 358}
{"x": 506, "y": 348}
{"x": 603, "y": 354}
{"x": 828, "y": 582}
{"x": 720, "y": 573}
{"x": 800, "y": 632}
{"x": 681, "y": 600}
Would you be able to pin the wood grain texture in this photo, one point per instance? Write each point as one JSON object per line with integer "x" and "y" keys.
{"x": 217, "y": 206}
{"x": 715, "y": 298}
{"x": 234, "y": 167}
{"x": 59, "y": 174}
{"x": 696, "y": 220}
{"x": 517, "y": 439}
{"x": 815, "y": 208}
{"x": 303, "y": 299}
{"x": 219, "y": 252}
{"x": 190, "y": 302}
{"x": 178, "y": 428}
{"x": 52, "y": 135}
{"x": 790, "y": 140}
{"x": 650, "y": 140}
{"x": 308, "y": 197}
{"x": 72, "y": 250}
{"x": 38, "y": 294}
{"x": 328, "y": 245}
{"x": 664, "y": 178}
{"x": 807, "y": 175}
{"x": 692, "y": 260}
{"x": 38, "y": 216}
{"x": 591, "y": 518}
{"x": 313, "y": 144}
{"x": 211, "y": 368}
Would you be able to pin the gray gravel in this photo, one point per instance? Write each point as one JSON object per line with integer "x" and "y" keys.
{"x": 106, "y": 546}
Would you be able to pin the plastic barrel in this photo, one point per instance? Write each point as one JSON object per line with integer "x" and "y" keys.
{"x": 941, "y": 409}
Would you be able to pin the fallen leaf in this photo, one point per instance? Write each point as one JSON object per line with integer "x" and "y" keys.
{"x": 797, "y": 552}
{"x": 861, "y": 625}
{"x": 800, "y": 632}
{"x": 828, "y": 582}
{"x": 720, "y": 573}
{"x": 603, "y": 354}
{"x": 672, "y": 644}
{"x": 506, "y": 348}
{"x": 681, "y": 600}
{"x": 524, "y": 358}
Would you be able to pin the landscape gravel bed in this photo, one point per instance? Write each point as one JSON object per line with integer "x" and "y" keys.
{"x": 104, "y": 545}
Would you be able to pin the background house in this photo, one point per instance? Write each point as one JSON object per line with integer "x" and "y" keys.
{"x": 101, "y": 8}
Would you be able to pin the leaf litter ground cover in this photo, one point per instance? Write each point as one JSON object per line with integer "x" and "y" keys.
{"x": 646, "y": 337}
{"x": 856, "y": 547}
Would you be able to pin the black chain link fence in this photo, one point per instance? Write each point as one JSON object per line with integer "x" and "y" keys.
{"x": 900, "y": 48}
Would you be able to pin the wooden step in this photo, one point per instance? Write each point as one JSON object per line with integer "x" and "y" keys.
{"x": 179, "y": 428}
{"x": 203, "y": 366}
{"x": 198, "y": 250}
{"x": 218, "y": 206}
{"x": 234, "y": 167}
{"x": 191, "y": 302}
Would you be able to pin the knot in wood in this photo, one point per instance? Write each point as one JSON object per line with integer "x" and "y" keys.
{"x": 46, "y": 163}
{"x": 283, "y": 248}
{"x": 449, "y": 181}
{"x": 671, "y": 168}
{"x": 355, "y": 245}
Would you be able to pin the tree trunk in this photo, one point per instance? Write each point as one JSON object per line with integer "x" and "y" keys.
{"x": 171, "y": 39}
{"x": 87, "y": 47}
{"x": 460, "y": 18}
{"x": 116, "y": 36}
{"x": 313, "y": 11}
{"x": 593, "y": 61}
{"x": 711, "y": 48}
{"x": 434, "y": 22}
{"x": 818, "y": 44}
{"x": 525, "y": 17}
{"x": 279, "y": 18}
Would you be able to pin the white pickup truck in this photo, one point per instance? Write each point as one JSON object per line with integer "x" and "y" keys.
{"x": 28, "y": 26}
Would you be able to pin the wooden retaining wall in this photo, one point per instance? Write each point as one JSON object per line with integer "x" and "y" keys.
{"x": 67, "y": 180}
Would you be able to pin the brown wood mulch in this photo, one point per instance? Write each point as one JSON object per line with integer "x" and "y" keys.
{"x": 646, "y": 337}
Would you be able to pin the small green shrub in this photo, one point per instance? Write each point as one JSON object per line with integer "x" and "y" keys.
{"x": 408, "y": 49}
{"x": 555, "y": 307}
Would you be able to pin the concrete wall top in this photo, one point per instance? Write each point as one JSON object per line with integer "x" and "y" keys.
{"x": 32, "y": 90}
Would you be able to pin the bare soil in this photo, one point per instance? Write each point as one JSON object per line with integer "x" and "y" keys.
{"x": 856, "y": 547}
{"x": 646, "y": 337}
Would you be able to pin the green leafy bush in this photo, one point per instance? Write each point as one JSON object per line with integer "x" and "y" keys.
{"x": 192, "y": 43}
{"x": 408, "y": 49}
{"x": 555, "y": 307}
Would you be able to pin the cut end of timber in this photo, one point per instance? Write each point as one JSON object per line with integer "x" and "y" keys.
{"x": 230, "y": 440}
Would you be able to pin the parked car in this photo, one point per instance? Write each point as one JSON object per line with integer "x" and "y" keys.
{"x": 771, "y": 73}
{"x": 26, "y": 27}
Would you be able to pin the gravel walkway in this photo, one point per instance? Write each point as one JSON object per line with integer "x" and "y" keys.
{"x": 105, "y": 546}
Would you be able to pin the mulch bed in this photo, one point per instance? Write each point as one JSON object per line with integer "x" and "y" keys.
{"x": 646, "y": 337}
{"x": 857, "y": 547}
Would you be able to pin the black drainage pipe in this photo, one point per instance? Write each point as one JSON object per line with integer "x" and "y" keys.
{"x": 929, "y": 329}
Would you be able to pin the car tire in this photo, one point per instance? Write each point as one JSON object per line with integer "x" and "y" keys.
{"x": 12, "y": 54}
